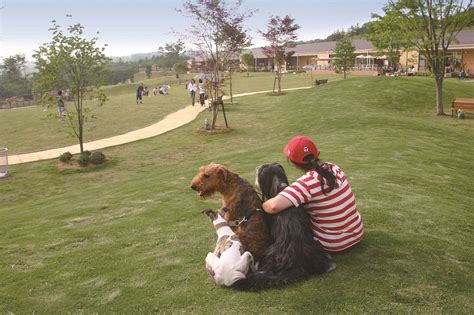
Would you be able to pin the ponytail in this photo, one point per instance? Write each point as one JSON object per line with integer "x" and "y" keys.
{"x": 313, "y": 163}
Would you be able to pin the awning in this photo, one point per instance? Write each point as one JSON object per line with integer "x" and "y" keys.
{"x": 365, "y": 57}
{"x": 324, "y": 59}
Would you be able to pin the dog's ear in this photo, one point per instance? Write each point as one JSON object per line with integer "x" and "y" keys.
{"x": 279, "y": 166}
{"x": 223, "y": 172}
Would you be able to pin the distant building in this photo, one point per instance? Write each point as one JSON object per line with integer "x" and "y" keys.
{"x": 319, "y": 57}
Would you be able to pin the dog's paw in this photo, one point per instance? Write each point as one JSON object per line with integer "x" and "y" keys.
{"x": 210, "y": 213}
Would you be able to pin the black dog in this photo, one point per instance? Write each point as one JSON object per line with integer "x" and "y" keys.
{"x": 294, "y": 255}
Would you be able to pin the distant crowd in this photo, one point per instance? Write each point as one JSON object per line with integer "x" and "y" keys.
{"x": 143, "y": 91}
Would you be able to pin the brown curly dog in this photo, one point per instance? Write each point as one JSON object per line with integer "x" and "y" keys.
{"x": 243, "y": 202}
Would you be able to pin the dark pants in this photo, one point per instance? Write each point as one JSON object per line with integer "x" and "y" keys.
{"x": 202, "y": 98}
{"x": 193, "y": 96}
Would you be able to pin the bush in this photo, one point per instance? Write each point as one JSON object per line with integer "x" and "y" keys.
{"x": 65, "y": 157}
{"x": 97, "y": 158}
{"x": 84, "y": 159}
{"x": 88, "y": 153}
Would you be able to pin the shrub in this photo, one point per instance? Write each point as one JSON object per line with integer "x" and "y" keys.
{"x": 83, "y": 159}
{"x": 97, "y": 158}
{"x": 88, "y": 153}
{"x": 65, "y": 157}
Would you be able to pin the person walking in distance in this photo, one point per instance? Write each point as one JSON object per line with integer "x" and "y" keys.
{"x": 192, "y": 88}
{"x": 61, "y": 105}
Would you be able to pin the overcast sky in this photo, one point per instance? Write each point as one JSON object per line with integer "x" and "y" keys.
{"x": 134, "y": 26}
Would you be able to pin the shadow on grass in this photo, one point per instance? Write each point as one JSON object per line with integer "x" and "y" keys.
{"x": 74, "y": 168}
{"x": 276, "y": 94}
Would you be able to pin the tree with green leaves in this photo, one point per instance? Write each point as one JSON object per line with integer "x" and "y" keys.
{"x": 248, "y": 60}
{"x": 281, "y": 36}
{"x": 148, "y": 71}
{"x": 217, "y": 33}
{"x": 171, "y": 53}
{"x": 236, "y": 39}
{"x": 13, "y": 78}
{"x": 180, "y": 67}
{"x": 387, "y": 35}
{"x": 344, "y": 57}
{"x": 120, "y": 72}
{"x": 71, "y": 61}
{"x": 433, "y": 26}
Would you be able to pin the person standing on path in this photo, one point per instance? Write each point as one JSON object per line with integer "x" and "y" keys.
{"x": 192, "y": 88}
{"x": 202, "y": 92}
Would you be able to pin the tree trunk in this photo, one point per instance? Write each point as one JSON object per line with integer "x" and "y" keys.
{"x": 216, "y": 83}
{"x": 439, "y": 95}
{"x": 215, "y": 109}
{"x": 81, "y": 122}
{"x": 230, "y": 86}
{"x": 279, "y": 83}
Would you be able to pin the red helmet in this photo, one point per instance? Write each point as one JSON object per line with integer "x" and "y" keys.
{"x": 299, "y": 147}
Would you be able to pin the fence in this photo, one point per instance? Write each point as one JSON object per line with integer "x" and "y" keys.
{"x": 3, "y": 162}
{"x": 16, "y": 103}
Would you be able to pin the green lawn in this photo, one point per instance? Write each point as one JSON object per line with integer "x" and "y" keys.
{"x": 129, "y": 237}
{"x": 19, "y": 129}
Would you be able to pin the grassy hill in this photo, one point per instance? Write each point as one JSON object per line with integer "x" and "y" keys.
{"x": 19, "y": 129}
{"x": 129, "y": 237}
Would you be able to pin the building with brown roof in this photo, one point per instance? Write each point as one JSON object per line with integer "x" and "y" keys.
{"x": 319, "y": 56}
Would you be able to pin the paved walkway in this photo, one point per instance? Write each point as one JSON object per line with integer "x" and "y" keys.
{"x": 170, "y": 122}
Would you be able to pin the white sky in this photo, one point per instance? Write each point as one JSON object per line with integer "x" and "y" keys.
{"x": 139, "y": 26}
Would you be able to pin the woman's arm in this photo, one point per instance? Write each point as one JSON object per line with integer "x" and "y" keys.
{"x": 276, "y": 204}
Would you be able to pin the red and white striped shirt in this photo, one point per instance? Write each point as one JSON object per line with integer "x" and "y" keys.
{"x": 336, "y": 222}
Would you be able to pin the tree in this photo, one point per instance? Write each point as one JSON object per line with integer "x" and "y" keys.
{"x": 13, "y": 78}
{"x": 216, "y": 31}
{"x": 235, "y": 40}
{"x": 387, "y": 35}
{"x": 344, "y": 55}
{"x": 336, "y": 36}
{"x": 120, "y": 72}
{"x": 248, "y": 60}
{"x": 180, "y": 67}
{"x": 73, "y": 62}
{"x": 148, "y": 71}
{"x": 433, "y": 26}
{"x": 171, "y": 53}
{"x": 281, "y": 36}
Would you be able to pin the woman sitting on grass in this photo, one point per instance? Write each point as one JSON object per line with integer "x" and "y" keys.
{"x": 326, "y": 195}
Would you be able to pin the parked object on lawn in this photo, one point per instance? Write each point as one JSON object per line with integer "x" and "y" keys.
{"x": 3, "y": 162}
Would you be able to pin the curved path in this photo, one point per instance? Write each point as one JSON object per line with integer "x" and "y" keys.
{"x": 170, "y": 122}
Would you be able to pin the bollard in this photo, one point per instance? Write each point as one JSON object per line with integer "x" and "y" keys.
{"x": 3, "y": 162}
